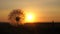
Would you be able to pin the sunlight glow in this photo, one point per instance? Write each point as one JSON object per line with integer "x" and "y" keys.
{"x": 30, "y": 15}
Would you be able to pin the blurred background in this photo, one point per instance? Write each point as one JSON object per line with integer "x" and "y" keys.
{"x": 41, "y": 16}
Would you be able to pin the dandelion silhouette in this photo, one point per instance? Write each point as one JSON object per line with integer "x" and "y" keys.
{"x": 16, "y": 16}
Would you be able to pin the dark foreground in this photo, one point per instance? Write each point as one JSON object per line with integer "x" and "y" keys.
{"x": 36, "y": 28}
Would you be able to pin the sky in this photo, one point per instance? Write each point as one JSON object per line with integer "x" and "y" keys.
{"x": 44, "y": 10}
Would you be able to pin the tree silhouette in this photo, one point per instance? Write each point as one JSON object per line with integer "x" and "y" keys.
{"x": 16, "y": 16}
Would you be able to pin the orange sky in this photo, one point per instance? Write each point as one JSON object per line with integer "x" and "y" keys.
{"x": 44, "y": 10}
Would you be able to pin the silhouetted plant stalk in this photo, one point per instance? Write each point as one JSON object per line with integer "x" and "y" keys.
{"x": 16, "y": 17}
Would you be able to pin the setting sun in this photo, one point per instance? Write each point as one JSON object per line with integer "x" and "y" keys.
{"x": 29, "y": 17}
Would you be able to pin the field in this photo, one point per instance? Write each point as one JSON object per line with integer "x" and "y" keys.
{"x": 29, "y": 28}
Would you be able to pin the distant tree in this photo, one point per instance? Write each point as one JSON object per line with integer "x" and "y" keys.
{"x": 16, "y": 16}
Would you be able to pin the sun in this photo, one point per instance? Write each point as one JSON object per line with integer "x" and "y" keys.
{"x": 29, "y": 17}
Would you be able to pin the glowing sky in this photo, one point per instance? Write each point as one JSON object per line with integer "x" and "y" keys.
{"x": 45, "y": 10}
